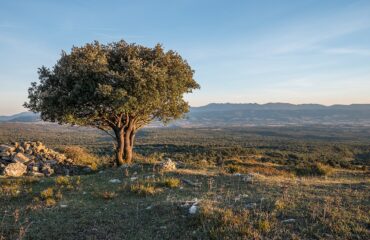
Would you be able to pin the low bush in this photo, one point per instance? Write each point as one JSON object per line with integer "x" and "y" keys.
{"x": 313, "y": 169}
{"x": 144, "y": 189}
{"x": 81, "y": 156}
{"x": 170, "y": 182}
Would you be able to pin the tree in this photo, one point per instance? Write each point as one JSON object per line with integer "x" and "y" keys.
{"x": 118, "y": 88}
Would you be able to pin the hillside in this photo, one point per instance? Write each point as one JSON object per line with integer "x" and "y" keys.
{"x": 276, "y": 114}
{"x": 21, "y": 117}
{"x": 252, "y": 114}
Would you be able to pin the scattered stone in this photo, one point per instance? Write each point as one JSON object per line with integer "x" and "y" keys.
{"x": 251, "y": 205}
{"x": 290, "y": 220}
{"x": 16, "y": 169}
{"x": 133, "y": 179}
{"x": 193, "y": 209}
{"x": 115, "y": 181}
{"x": 167, "y": 165}
{"x": 63, "y": 205}
{"x": 87, "y": 170}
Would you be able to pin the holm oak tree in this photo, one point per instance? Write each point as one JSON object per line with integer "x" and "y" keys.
{"x": 117, "y": 87}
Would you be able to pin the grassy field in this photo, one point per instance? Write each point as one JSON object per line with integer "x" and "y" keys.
{"x": 256, "y": 183}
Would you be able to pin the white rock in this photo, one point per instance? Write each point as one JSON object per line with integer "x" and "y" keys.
{"x": 193, "y": 209}
{"x": 133, "y": 179}
{"x": 63, "y": 205}
{"x": 290, "y": 220}
{"x": 115, "y": 181}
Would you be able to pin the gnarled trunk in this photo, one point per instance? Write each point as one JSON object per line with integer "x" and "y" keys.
{"x": 120, "y": 146}
{"x": 124, "y": 136}
{"x": 129, "y": 143}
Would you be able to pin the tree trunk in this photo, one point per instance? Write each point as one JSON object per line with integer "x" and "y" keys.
{"x": 128, "y": 147}
{"x": 120, "y": 146}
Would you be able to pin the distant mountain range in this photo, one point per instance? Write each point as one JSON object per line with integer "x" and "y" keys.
{"x": 21, "y": 117}
{"x": 252, "y": 114}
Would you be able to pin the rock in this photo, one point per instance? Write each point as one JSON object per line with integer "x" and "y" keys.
{"x": 87, "y": 170}
{"x": 290, "y": 220}
{"x": 20, "y": 157}
{"x": 16, "y": 169}
{"x": 115, "y": 181}
{"x": 36, "y": 174}
{"x": 4, "y": 154}
{"x": 251, "y": 205}
{"x": 193, "y": 209}
{"x": 167, "y": 165}
{"x": 47, "y": 170}
{"x": 6, "y": 148}
{"x": 20, "y": 149}
{"x": 133, "y": 179}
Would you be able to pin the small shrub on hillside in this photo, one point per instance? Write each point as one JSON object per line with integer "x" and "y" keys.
{"x": 81, "y": 156}
{"x": 313, "y": 169}
{"x": 170, "y": 182}
{"x": 47, "y": 193}
{"x": 108, "y": 195}
{"x": 47, "y": 197}
{"x": 62, "y": 180}
{"x": 144, "y": 189}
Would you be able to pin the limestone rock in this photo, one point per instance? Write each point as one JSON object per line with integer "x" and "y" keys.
{"x": 167, "y": 165}
{"x": 6, "y": 148}
{"x": 20, "y": 157}
{"x": 47, "y": 170}
{"x": 16, "y": 169}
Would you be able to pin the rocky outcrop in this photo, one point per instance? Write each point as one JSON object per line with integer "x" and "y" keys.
{"x": 33, "y": 158}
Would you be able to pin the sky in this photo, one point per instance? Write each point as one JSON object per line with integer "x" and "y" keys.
{"x": 242, "y": 51}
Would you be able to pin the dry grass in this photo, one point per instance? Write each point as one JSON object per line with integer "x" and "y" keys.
{"x": 81, "y": 156}
{"x": 170, "y": 182}
{"x": 144, "y": 189}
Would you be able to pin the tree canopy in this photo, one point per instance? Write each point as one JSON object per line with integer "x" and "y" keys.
{"x": 118, "y": 86}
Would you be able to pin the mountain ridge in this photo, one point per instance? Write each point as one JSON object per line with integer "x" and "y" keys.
{"x": 247, "y": 114}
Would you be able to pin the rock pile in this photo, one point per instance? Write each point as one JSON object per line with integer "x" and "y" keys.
{"x": 34, "y": 159}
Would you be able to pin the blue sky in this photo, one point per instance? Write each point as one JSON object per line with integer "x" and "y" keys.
{"x": 307, "y": 51}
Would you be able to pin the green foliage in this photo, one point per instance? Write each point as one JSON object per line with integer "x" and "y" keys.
{"x": 118, "y": 86}
{"x": 96, "y": 83}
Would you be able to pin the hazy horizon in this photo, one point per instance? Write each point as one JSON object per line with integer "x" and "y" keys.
{"x": 298, "y": 52}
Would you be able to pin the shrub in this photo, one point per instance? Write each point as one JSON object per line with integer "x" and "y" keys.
{"x": 50, "y": 202}
{"x": 313, "y": 169}
{"x": 171, "y": 182}
{"x": 81, "y": 156}
{"x": 62, "y": 180}
{"x": 47, "y": 193}
{"x": 108, "y": 195}
{"x": 143, "y": 189}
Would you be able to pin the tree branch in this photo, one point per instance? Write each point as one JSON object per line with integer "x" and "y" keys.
{"x": 106, "y": 131}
